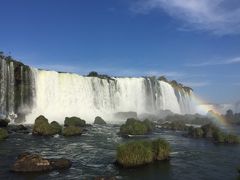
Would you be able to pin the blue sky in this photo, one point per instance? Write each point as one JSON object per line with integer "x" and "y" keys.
{"x": 195, "y": 42}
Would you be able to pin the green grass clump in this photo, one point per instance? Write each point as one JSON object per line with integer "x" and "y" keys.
{"x": 142, "y": 152}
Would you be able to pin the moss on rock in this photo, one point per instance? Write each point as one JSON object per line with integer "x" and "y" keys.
{"x": 3, "y": 134}
{"x": 57, "y": 127}
{"x": 43, "y": 128}
{"x": 74, "y": 121}
{"x": 72, "y": 131}
{"x": 142, "y": 152}
{"x": 136, "y": 127}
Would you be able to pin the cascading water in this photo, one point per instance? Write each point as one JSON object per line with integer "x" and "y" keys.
{"x": 63, "y": 94}
{"x": 16, "y": 89}
{"x": 33, "y": 92}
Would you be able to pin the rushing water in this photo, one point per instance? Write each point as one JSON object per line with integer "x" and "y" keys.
{"x": 93, "y": 155}
{"x": 33, "y": 92}
{"x": 63, "y": 94}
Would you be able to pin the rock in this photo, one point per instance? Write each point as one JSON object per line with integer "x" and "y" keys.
{"x": 98, "y": 120}
{"x": 72, "y": 131}
{"x": 18, "y": 129}
{"x": 3, "y": 134}
{"x": 57, "y": 127}
{"x": 139, "y": 153}
{"x": 176, "y": 125}
{"x": 4, "y": 122}
{"x": 136, "y": 127}
{"x": 27, "y": 162}
{"x": 60, "y": 163}
{"x": 43, "y": 128}
{"x": 74, "y": 121}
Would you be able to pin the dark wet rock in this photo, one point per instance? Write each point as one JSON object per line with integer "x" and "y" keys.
{"x": 74, "y": 121}
{"x": 98, "y": 120}
{"x": 27, "y": 162}
{"x": 3, "y": 134}
{"x": 72, "y": 131}
{"x": 4, "y": 122}
{"x": 18, "y": 129}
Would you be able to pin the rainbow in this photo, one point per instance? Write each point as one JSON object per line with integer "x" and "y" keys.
{"x": 203, "y": 107}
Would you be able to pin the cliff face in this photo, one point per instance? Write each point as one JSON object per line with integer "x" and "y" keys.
{"x": 16, "y": 88}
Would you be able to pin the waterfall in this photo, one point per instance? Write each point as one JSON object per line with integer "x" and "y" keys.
{"x": 30, "y": 92}
{"x": 16, "y": 89}
{"x": 64, "y": 94}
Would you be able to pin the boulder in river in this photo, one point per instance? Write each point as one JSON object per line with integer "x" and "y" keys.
{"x": 4, "y": 122}
{"x": 98, "y": 120}
{"x": 43, "y": 128}
{"x": 72, "y": 131}
{"x": 74, "y": 121}
{"x": 27, "y": 162}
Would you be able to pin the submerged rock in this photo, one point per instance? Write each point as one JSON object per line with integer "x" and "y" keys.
{"x": 74, "y": 121}
{"x": 72, "y": 131}
{"x": 4, "y": 122}
{"x": 139, "y": 153}
{"x": 27, "y": 162}
{"x": 3, "y": 134}
{"x": 176, "y": 125}
{"x": 98, "y": 120}
{"x": 18, "y": 129}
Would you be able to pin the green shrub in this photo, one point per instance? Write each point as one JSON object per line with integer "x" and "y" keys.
{"x": 3, "y": 134}
{"x": 161, "y": 149}
{"x": 134, "y": 154}
{"x": 149, "y": 125}
{"x": 219, "y": 136}
{"x": 72, "y": 131}
{"x": 142, "y": 152}
{"x": 209, "y": 130}
{"x": 232, "y": 139}
{"x": 74, "y": 121}
{"x": 195, "y": 132}
{"x": 99, "y": 120}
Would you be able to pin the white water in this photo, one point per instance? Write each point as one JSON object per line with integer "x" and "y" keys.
{"x": 63, "y": 94}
